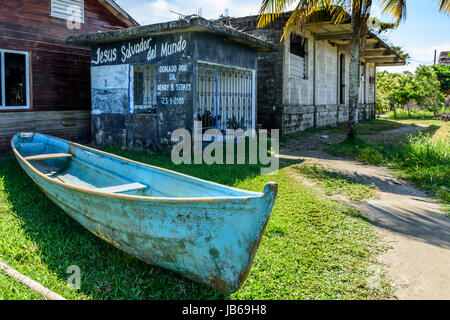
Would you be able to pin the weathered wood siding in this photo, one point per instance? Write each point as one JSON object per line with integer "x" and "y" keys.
{"x": 60, "y": 73}
{"x": 72, "y": 125}
{"x": 55, "y": 122}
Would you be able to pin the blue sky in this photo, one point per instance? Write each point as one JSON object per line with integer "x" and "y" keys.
{"x": 425, "y": 28}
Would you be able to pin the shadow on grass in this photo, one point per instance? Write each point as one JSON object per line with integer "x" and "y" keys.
{"x": 418, "y": 224}
{"x": 337, "y": 183}
{"x": 412, "y": 219}
{"x": 432, "y": 129}
{"x": 423, "y": 224}
{"x": 348, "y": 148}
{"x": 372, "y": 126}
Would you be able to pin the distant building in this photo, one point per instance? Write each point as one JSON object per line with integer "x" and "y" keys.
{"x": 444, "y": 58}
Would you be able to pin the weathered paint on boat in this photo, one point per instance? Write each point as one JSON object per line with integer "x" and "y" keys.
{"x": 205, "y": 231}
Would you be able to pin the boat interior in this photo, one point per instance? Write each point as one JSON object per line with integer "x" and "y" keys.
{"x": 91, "y": 169}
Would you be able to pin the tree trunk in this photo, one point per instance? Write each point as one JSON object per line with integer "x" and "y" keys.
{"x": 354, "y": 72}
{"x": 360, "y": 15}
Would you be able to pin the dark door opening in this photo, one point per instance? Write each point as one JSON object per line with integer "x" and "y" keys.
{"x": 342, "y": 79}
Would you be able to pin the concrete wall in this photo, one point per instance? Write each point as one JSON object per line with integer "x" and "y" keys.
{"x": 113, "y": 119}
{"x": 307, "y": 105}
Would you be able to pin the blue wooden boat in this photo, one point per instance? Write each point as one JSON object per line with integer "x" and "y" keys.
{"x": 205, "y": 231}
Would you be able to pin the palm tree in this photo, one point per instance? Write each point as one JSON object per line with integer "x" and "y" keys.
{"x": 360, "y": 13}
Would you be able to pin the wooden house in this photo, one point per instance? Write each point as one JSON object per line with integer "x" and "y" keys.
{"x": 45, "y": 82}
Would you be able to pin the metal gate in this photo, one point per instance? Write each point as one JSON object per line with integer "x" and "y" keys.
{"x": 225, "y": 98}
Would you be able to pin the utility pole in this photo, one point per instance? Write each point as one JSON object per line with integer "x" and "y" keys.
{"x": 435, "y": 52}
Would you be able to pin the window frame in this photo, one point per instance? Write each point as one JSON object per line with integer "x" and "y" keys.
{"x": 65, "y": 17}
{"x": 3, "y": 105}
{"x": 131, "y": 90}
{"x": 305, "y": 57}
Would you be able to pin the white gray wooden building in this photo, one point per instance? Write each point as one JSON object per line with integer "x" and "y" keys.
{"x": 304, "y": 83}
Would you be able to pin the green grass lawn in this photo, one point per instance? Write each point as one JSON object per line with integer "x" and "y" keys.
{"x": 313, "y": 247}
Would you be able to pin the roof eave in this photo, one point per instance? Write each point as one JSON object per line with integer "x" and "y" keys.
{"x": 186, "y": 25}
{"x": 119, "y": 13}
{"x": 377, "y": 51}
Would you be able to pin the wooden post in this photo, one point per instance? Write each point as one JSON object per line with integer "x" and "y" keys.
{"x": 33, "y": 285}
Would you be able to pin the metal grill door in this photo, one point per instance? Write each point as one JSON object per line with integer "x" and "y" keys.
{"x": 225, "y": 97}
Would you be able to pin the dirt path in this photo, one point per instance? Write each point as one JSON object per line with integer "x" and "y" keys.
{"x": 417, "y": 232}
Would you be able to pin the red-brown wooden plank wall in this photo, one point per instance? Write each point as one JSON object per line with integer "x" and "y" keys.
{"x": 60, "y": 73}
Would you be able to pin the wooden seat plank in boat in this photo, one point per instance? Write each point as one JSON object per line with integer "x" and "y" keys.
{"x": 48, "y": 156}
{"x": 124, "y": 188}
{"x": 73, "y": 180}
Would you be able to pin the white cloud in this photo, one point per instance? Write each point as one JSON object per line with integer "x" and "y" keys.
{"x": 159, "y": 10}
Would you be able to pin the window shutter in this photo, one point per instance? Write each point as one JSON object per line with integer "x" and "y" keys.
{"x": 296, "y": 66}
{"x": 297, "y": 56}
{"x": 68, "y": 10}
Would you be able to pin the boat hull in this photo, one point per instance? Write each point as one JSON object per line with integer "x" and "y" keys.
{"x": 211, "y": 240}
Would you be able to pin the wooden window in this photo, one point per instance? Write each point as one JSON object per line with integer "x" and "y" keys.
{"x": 297, "y": 57}
{"x": 143, "y": 86}
{"x": 72, "y": 10}
{"x": 15, "y": 79}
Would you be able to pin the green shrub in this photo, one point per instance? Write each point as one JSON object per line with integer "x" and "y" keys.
{"x": 413, "y": 113}
{"x": 423, "y": 151}
{"x": 425, "y": 162}
{"x": 348, "y": 147}
{"x": 444, "y": 193}
{"x": 370, "y": 155}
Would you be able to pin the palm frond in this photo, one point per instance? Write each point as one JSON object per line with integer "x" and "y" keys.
{"x": 328, "y": 10}
{"x": 444, "y": 6}
{"x": 339, "y": 14}
{"x": 397, "y": 9}
{"x": 294, "y": 20}
{"x": 306, "y": 11}
{"x": 272, "y": 9}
